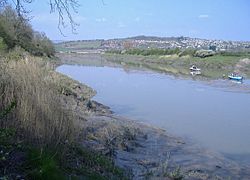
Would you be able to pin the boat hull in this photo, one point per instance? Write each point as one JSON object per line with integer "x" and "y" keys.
{"x": 237, "y": 78}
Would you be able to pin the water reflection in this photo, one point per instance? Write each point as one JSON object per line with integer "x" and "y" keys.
{"x": 206, "y": 112}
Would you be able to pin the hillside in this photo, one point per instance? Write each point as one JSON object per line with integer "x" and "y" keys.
{"x": 151, "y": 42}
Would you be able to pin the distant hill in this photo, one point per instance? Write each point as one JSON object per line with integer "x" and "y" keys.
{"x": 155, "y": 38}
{"x": 153, "y": 42}
{"x": 57, "y": 41}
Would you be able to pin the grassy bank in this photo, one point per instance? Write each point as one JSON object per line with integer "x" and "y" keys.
{"x": 42, "y": 113}
{"x": 212, "y": 67}
{"x": 39, "y": 127}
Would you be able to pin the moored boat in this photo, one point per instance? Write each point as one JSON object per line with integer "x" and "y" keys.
{"x": 194, "y": 68}
{"x": 194, "y": 73}
{"x": 235, "y": 77}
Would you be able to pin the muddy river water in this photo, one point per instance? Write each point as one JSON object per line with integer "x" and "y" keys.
{"x": 215, "y": 114}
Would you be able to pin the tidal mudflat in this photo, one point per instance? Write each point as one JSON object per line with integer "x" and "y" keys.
{"x": 214, "y": 114}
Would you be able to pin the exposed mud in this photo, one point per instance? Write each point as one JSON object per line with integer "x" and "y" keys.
{"x": 145, "y": 151}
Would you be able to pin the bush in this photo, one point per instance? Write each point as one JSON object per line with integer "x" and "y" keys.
{"x": 16, "y": 31}
{"x": 204, "y": 53}
{"x": 188, "y": 52}
{"x": 234, "y": 53}
{"x": 150, "y": 52}
{"x": 3, "y": 46}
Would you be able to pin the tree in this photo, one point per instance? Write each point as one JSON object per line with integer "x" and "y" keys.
{"x": 3, "y": 45}
{"x": 7, "y": 31}
{"x": 42, "y": 45}
{"x": 16, "y": 31}
{"x": 62, "y": 7}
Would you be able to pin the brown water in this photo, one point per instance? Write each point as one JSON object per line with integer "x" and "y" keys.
{"x": 215, "y": 114}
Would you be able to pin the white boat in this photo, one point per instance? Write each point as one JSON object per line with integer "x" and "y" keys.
{"x": 235, "y": 77}
{"x": 194, "y": 73}
{"x": 194, "y": 68}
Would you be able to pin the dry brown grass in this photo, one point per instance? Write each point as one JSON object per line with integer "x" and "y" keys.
{"x": 39, "y": 115}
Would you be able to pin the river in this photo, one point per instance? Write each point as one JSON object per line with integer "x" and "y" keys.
{"x": 214, "y": 114}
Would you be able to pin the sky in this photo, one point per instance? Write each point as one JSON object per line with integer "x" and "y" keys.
{"x": 107, "y": 19}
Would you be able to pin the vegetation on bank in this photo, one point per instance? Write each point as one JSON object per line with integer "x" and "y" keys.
{"x": 78, "y": 45}
{"x": 151, "y": 52}
{"x": 39, "y": 132}
{"x": 179, "y": 52}
{"x": 15, "y": 31}
{"x": 216, "y": 66}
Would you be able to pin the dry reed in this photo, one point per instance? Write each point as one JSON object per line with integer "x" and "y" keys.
{"x": 39, "y": 116}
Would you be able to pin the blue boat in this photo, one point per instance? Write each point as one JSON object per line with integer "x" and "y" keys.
{"x": 235, "y": 77}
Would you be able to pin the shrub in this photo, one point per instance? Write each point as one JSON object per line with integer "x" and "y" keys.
{"x": 150, "y": 52}
{"x": 16, "y": 31}
{"x": 3, "y": 46}
{"x": 186, "y": 52}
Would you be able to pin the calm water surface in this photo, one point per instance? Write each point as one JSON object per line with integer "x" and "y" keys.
{"x": 217, "y": 117}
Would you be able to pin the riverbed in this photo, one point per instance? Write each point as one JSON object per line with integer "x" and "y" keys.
{"x": 214, "y": 114}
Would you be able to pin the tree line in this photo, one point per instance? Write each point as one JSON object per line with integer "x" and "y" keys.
{"x": 16, "y": 31}
{"x": 155, "y": 51}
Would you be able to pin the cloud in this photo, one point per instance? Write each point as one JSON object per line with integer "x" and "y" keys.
{"x": 203, "y": 16}
{"x": 101, "y": 19}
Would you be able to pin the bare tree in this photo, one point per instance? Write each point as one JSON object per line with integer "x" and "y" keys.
{"x": 64, "y": 9}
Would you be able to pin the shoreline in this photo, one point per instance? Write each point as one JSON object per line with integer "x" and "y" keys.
{"x": 147, "y": 151}
{"x": 212, "y": 68}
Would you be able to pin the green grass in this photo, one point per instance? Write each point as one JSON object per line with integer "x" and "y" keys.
{"x": 73, "y": 162}
{"x": 77, "y": 162}
{"x": 212, "y": 67}
{"x": 94, "y": 165}
{"x": 78, "y": 45}
{"x": 8, "y": 109}
{"x": 43, "y": 165}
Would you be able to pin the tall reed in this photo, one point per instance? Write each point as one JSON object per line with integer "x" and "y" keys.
{"x": 38, "y": 116}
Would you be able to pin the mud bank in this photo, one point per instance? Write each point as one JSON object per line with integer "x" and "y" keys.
{"x": 144, "y": 151}
{"x": 149, "y": 152}
{"x": 211, "y": 68}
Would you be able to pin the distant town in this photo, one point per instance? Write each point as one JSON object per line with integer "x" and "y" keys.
{"x": 150, "y": 42}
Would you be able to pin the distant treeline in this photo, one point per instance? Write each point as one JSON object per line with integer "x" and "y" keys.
{"x": 179, "y": 52}
{"x": 235, "y": 53}
{"x": 16, "y": 31}
{"x": 150, "y": 52}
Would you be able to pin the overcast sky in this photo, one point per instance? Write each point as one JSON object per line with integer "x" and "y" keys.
{"x": 211, "y": 19}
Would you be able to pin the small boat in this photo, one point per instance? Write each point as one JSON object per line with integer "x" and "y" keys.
{"x": 194, "y": 73}
{"x": 194, "y": 68}
{"x": 235, "y": 77}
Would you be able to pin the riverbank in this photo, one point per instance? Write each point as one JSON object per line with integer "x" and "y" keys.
{"x": 40, "y": 123}
{"x": 151, "y": 152}
{"x": 102, "y": 141}
{"x": 213, "y": 67}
